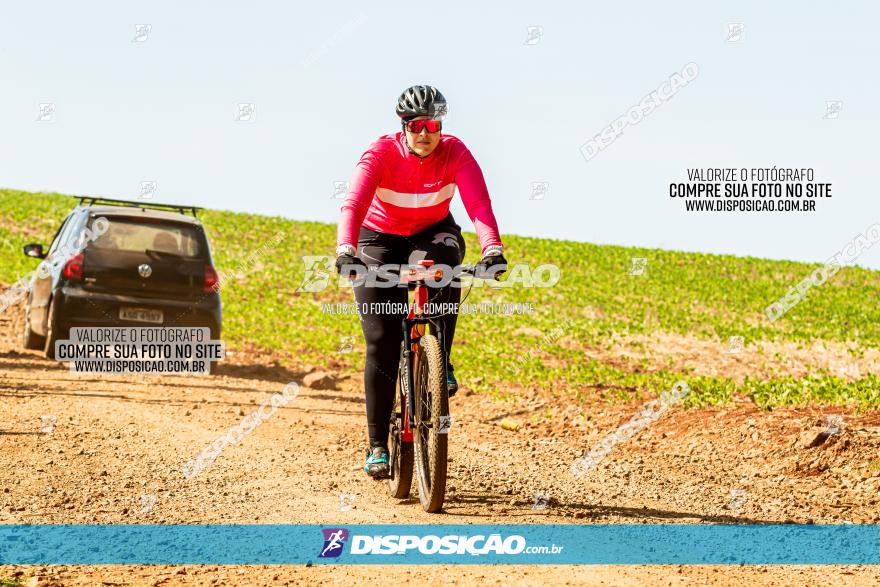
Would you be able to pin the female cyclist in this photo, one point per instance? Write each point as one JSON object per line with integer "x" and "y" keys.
{"x": 397, "y": 212}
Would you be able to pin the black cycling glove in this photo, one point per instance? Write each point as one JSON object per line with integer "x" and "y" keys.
{"x": 345, "y": 265}
{"x": 491, "y": 266}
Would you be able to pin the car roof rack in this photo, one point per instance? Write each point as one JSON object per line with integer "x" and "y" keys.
{"x": 93, "y": 200}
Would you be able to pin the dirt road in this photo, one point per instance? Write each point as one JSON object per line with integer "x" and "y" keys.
{"x": 109, "y": 449}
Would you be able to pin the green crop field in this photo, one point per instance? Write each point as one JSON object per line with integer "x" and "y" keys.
{"x": 700, "y": 296}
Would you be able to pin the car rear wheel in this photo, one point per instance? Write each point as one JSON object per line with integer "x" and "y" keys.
{"x": 30, "y": 339}
{"x": 53, "y": 329}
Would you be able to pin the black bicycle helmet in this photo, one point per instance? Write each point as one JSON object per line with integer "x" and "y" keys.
{"x": 421, "y": 101}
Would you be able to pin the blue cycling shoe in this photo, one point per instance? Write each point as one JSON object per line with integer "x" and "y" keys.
{"x": 377, "y": 463}
{"x": 451, "y": 381}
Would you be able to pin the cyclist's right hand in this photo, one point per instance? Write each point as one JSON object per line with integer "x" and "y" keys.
{"x": 345, "y": 265}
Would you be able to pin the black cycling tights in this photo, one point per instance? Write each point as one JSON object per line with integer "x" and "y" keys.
{"x": 383, "y": 332}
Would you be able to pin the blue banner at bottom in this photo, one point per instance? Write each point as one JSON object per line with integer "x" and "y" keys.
{"x": 690, "y": 544}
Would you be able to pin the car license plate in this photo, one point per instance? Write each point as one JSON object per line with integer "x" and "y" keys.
{"x": 141, "y": 315}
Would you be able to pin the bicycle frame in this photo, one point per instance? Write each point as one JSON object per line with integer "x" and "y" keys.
{"x": 415, "y": 325}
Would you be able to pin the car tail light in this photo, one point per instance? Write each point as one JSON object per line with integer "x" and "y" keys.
{"x": 211, "y": 279}
{"x": 73, "y": 269}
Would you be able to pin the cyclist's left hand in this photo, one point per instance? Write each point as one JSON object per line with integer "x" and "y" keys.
{"x": 492, "y": 266}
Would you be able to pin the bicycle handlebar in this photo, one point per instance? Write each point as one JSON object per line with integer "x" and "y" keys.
{"x": 418, "y": 273}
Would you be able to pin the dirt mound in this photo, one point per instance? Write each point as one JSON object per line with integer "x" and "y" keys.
{"x": 734, "y": 358}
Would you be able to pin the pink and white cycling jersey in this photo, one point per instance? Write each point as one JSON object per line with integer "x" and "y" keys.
{"x": 394, "y": 191}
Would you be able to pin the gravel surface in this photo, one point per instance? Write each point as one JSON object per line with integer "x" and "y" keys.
{"x": 109, "y": 449}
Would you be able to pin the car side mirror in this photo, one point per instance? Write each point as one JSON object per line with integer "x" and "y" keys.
{"x": 35, "y": 251}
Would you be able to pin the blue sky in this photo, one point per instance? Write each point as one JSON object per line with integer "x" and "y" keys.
{"x": 324, "y": 79}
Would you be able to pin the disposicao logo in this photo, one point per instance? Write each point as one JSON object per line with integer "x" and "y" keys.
{"x": 334, "y": 542}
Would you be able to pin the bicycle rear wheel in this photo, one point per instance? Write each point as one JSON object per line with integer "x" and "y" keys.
{"x": 432, "y": 404}
{"x": 400, "y": 454}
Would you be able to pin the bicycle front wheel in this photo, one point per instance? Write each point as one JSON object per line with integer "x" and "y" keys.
{"x": 431, "y": 410}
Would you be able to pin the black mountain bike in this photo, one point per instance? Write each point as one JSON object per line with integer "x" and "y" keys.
{"x": 420, "y": 419}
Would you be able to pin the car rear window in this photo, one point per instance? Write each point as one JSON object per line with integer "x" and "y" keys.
{"x": 136, "y": 235}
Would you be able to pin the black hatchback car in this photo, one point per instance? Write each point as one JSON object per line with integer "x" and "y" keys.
{"x": 122, "y": 263}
